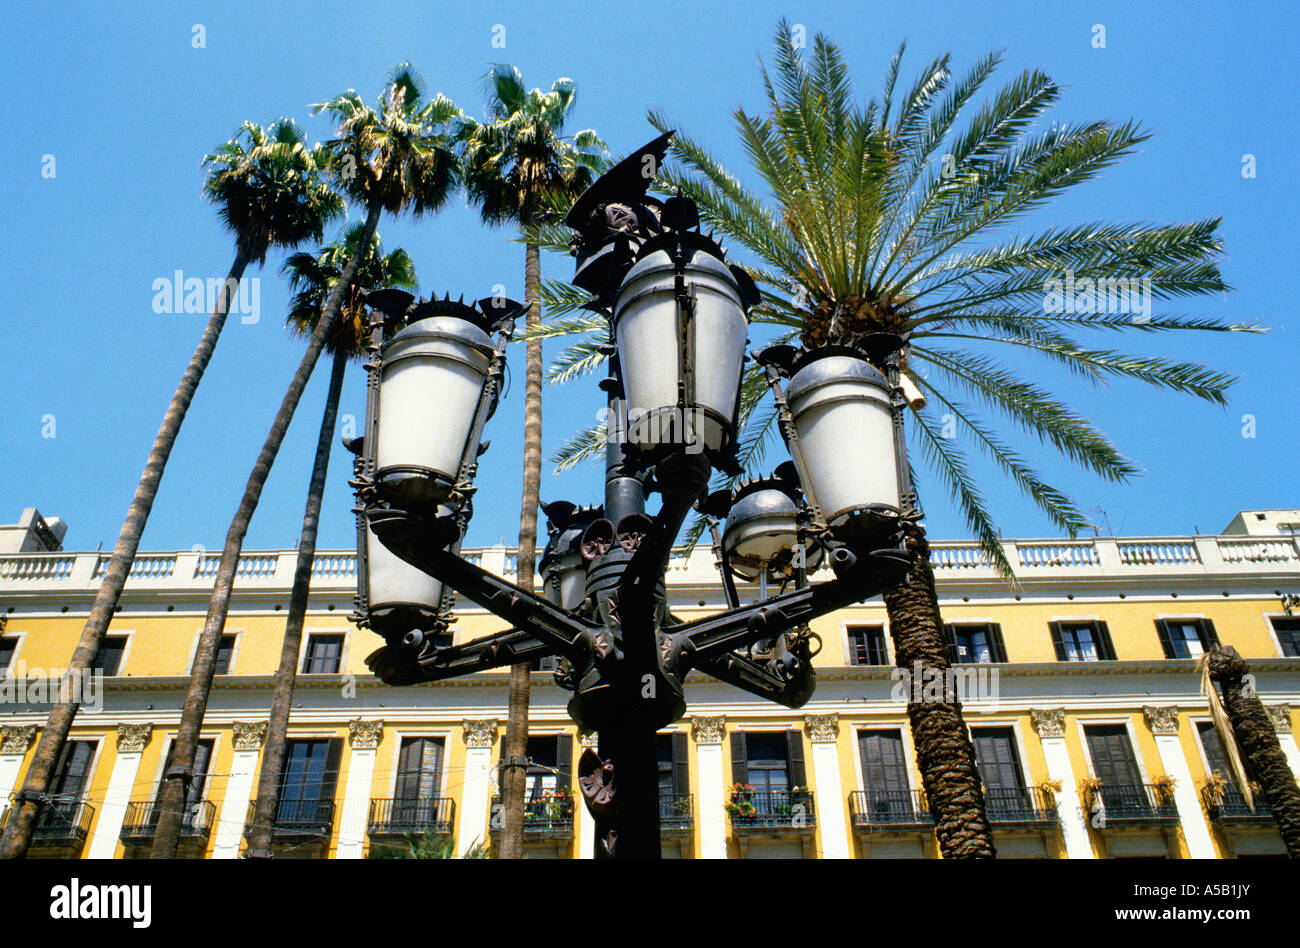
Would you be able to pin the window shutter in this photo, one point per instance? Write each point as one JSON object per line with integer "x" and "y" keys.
{"x": 794, "y": 752}
{"x": 1209, "y": 638}
{"x": 681, "y": 774}
{"x": 739, "y": 762}
{"x": 997, "y": 648}
{"x": 950, "y": 637}
{"x": 330, "y": 779}
{"x": 1162, "y": 630}
{"x": 564, "y": 761}
{"x": 1057, "y": 643}
{"x": 1105, "y": 647}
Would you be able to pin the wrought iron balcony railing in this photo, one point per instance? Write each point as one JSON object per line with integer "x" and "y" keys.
{"x": 1025, "y": 805}
{"x": 299, "y": 818}
{"x": 1232, "y": 808}
{"x": 59, "y": 824}
{"x": 768, "y": 809}
{"x": 1134, "y": 803}
{"x": 543, "y": 816}
{"x": 396, "y": 817}
{"x": 141, "y": 821}
{"x": 676, "y": 813}
{"x": 884, "y": 810}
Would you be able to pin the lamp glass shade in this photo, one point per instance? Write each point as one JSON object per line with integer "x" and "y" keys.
{"x": 432, "y": 375}
{"x": 649, "y": 350}
{"x": 761, "y": 535}
{"x": 393, "y": 584}
{"x": 841, "y": 409}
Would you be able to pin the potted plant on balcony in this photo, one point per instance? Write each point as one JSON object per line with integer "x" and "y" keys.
{"x": 1049, "y": 789}
{"x": 555, "y": 804}
{"x": 741, "y": 803}
{"x": 1089, "y": 788}
{"x": 1163, "y": 788}
{"x": 1213, "y": 789}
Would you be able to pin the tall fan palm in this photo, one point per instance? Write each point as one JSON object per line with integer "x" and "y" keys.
{"x": 517, "y": 165}
{"x": 312, "y": 277}
{"x": 397, "y": 157}
{"x": 268, "y": 190}
{"x": 888, "y": 217}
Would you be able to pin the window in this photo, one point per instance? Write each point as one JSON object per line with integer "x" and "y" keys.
{"x": 225, "y": 654}
{"x": 552, "y": 765}
{"x": 1082, "y": 642}
{"x": 768, "y": 761}
{"x": 998, "y": 760}
{"x": 194, "y": 796}
{"x": 981, "y": 642}
{"x": 109, "y": 657}
{"x": 72, "y": 773}
{"x": 1215, "y": 760}
{"x": 311, "y": 772}
{"x": 8, "y": 647}
{"x": 324, "y": 653}
{"x": 419, "y": 769}
{"x": 867, "y": 645}
{"x": 1186, "y": 638}
{"x": 1287, "y": 631}
{"x": 674, "y": 780}
{"x": 1115, "y": 766}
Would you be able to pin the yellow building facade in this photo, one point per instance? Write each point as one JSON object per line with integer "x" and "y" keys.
{"x": 1079, "y": 688}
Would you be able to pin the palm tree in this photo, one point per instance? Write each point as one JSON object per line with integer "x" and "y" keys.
{"x": 269, "y": 193}
{"x": 887, "y": 218}
{"x": 517, "y": 167}
{"x": 395, "y": 158}
{"x": 313, "y": 276}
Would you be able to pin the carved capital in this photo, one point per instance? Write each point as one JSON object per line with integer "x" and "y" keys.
{"x": 822, "y": 727}
{"x": 708, "y": 730}
{"x": 588, "y": 738}
{"x": 16, "y": 740}
{"x": 1280, "y": 714}
{"x": 132, "y": 738}
{"x": 1163, "y": 721}
{"x": 480, "y": 733}
{"x": 249, "y": 737}
{"x": 1048, "y": 722}
{"x": 365, "y": 735}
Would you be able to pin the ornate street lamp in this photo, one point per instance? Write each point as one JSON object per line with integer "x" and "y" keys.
{"x": 678, "y": 319}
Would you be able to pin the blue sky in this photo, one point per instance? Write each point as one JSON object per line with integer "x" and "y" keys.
{"x": 127, "y": 105}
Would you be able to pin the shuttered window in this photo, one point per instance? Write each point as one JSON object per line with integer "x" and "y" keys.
{"x": 1287, "y": 631}
{"x": 225, "y": 654}
{"x": 552, "y": 764}
{"x": 69, "y": 786}
{"x": 1082, "y": 641}
{"x": 975, "y": 643}
{"x": 199, "y": 783}
{"x": 884, "y": 768}
{"x": 674, "y": 779}
{"x": 1186, "y": 638}
{"x": 109, "y": 657}
{"x": 1113, "y": 762}
{"x": 7, "y": 649}
{"x": 867, "y": 645}
{"x": 311, "y": 772}
{"x": 997, "y": 759}
{"x": 324, "y": 653}
{"x": 419, "y": 769}
{"x": 768, "y": 760}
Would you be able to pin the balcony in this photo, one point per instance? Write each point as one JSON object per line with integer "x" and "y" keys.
{"x": 395, "y": 817}
{"x": 889, "y": 811}
{"x": 545, "y": 817}
{"x": 1026, "y": 807}
{"x": 299, "y": 819}
{"x": 141, "y": 823}
{"x": 676, "y": 815}
{"x": 61, "y": 828}
{"x": 767, "y": 810}
{"x": 1140, "y": 804}
{"x": 1232, "y": 809}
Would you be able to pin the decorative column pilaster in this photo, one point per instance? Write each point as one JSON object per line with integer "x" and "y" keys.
{"x": 1049, "y": 725}
{"x": 1280, "y": 714}
{"x": 131, "y": 742}
{"x": 1163, "y": 722}
{"x": 14, "y": 744}
{"x": 363, "y": 739}
{"x": 708, "y": 734}
{"x": 824, "y": 732}
{"x": 472, "y": 827}
{"x": 247, "y": 742}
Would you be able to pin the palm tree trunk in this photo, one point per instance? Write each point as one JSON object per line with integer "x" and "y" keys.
{"x": 196, "y": 698}
{"x": 944, "y": 753}
{"x": 513, "y": 778}
{"x": 18, "y": 831}
{"x": 268, "y": 780}
{"x": 1258, "y": 740}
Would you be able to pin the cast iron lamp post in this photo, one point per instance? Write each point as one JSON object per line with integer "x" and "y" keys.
{"x": 678, "y": 324}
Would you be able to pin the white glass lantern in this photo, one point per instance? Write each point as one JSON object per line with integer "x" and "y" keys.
{"x": 432, "y": 375}
{"x": 659, "y": 361}
{"x": 761, "y": 537}
{"x": 840, "y": 405}
{"x": 396, "y": 593}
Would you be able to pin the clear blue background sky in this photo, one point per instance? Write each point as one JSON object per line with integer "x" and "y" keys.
{"x": 128, "y": 107}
